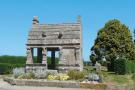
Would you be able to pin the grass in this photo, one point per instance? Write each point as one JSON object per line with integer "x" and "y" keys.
{"x": 112, "y": 78}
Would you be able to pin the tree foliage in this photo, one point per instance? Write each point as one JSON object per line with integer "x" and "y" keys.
{"x": 113, "y": 40}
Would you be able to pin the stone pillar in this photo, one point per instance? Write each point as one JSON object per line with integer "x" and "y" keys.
{"x": 44, "y": 55}
{"x": 77, "y": 56}
{"x": 39, "y": 55}
{"x": 53, "y": 59}
{"x": 29, "y": 56}
{"x": 60, "y": 55}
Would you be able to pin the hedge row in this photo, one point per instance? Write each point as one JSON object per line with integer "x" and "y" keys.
{"x": 6, "y": 68}
{"x": 123, "y": 66}
{"x": 12, "y": 59}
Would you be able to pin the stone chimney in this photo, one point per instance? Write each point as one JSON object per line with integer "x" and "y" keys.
{"x": 35, "y": 20}
{"x": 79, "y": 19}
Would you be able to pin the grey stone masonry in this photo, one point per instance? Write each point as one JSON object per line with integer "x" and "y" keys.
{"x": 65, "y": 38}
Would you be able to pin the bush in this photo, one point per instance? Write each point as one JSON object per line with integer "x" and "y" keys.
{"x": 120, "y": 66}
{"x": 124, "y": 66}
{"x": 76, "y": 75}
{"x": 6, "y": 68}
{"x": 18, "y": 71}
{"x": 93, "y": 77}
{"x": 110, "y": 66}
{"x": 40, "y": 74}
{"x": 28, "y": 75}
{"x": 60, "y": 76}
{"x": 130, "y": 66}
{"x": 52, "y": 72}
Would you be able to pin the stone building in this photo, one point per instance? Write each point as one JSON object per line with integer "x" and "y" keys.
{"x": 65, "y": 38}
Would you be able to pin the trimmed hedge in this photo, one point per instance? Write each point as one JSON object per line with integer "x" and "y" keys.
{"x": 6, "y": 68}
{"x": 124, "y": 66}
{"x": 7, "y": 63}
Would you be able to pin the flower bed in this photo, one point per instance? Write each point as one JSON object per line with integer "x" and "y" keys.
{"x": 54, "y": 83}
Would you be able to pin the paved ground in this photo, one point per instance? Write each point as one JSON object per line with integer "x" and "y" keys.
{"x": 5, "y": 86}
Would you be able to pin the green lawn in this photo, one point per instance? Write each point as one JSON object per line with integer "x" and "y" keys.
{"x": 111, "y": 77}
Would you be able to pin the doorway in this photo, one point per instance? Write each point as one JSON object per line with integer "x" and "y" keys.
{"x": 53, "y": 58}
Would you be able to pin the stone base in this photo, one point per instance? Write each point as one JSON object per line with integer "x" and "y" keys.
{"x": 65, "y": 68}
{"x": 54, "y": 83}
{"x": 34, "y": 67}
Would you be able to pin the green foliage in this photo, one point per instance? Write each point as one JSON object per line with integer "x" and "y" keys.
{"x": 13, "y": 59}
{"x": 133, "y": 77}
{"x": 76, "y": 75}
{"x": 130, "y": 66}
{"x": 7, "y": 63}
{"x": 6, "y": 68}
{"x": 120, "y": 66}
{"x": 60, "y": 76}
{"x": 113, "y": 40}
{"x": 29, "y": 75}
{"x": 124, "y": 66}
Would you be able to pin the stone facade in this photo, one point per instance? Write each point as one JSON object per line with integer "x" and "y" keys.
{"x": 65, "y": 38}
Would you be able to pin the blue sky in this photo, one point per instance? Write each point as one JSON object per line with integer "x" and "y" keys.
{"x": 16, "y": 19}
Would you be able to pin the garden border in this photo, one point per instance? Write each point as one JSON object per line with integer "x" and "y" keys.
{"x": 53, "y": 83}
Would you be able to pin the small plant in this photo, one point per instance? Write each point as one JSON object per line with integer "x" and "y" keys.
{"x": 28, "y": 75}
{"x": 40, "y": 74}
{"x": 61, "y": 77}
{"x": 52, "y": 72}
{"x": 52, "y": 77}
{"x": 93, "y": 77}
{"x": 76, "y": 75}
{"x": 18, "y": 71}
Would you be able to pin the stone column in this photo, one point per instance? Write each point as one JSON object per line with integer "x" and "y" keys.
{"x": 60, "y": 55}
{"x": 39, "y": 55}
{"x": 77, "y": 56}
{"x": 29, "y": 56}
{"x": 53, "y": 59}
{"x": 44, "y": 55}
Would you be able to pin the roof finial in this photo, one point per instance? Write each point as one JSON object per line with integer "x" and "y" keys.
{"x": 79, "y": 19}
{"x": 35, "y": 20}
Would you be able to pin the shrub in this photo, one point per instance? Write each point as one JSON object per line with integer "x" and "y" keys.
{"x": 120, "y": 66}
{"x": 40, "y": 74}
{"x": 6, "y": 68}
{"x": 76, "y": 75}
{"x": 28, "y": 75}
{"x": 52, "y": 77}
{"x": 18, "y": 71}
{"x": 60, "y": 76}
{"x": 63, "y": 77}
{"x": 93, "y": 77}
{"x": 130, "y": 66}
{"x": 52, "y": 72}
{"x": 124, "y": 66}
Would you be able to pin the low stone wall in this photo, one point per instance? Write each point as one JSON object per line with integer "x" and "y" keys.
{"x": 54, "y": 83}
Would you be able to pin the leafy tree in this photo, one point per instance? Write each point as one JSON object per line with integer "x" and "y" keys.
{"x": 134, "y": 35}
{"x": 114, "y": 40}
